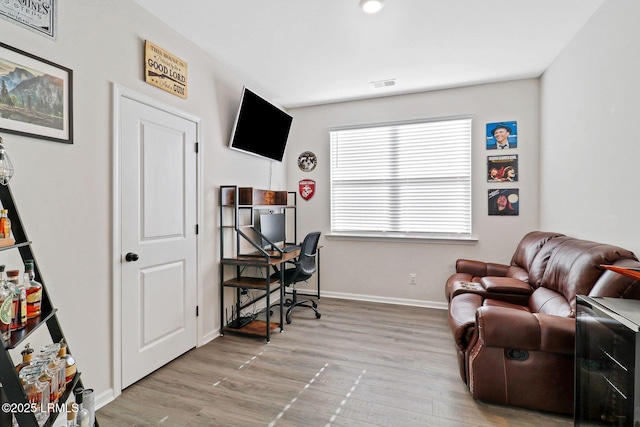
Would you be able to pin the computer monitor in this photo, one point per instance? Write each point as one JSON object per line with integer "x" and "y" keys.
{"x": 272, "y": 226}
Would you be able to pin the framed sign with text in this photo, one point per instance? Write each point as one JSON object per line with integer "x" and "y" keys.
{"x": 39, "y": 16}
{"x": 164, "y": 70}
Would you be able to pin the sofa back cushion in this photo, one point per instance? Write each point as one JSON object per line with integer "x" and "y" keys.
{"x": 539, "y": 263}
{"x": 529, "y": 247}
{"x": 574, "y": 268}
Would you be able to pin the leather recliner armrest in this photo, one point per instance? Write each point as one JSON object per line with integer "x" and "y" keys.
{"x": 481, "y": 268}
{"x": 504, "y": 327}
{"x": 462, "y": 318}
{"x": 506, "y": 285}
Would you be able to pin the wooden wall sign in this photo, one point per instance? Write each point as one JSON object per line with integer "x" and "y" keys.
{"x": 164, "y": 70}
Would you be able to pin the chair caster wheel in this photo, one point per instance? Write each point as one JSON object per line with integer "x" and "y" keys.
{"x": 288, "y": 321}
{"x": 318, "y": 315}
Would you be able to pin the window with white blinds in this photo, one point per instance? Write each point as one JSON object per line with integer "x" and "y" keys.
{"x": 402, "y": 179}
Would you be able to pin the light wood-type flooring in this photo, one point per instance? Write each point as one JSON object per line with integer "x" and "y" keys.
{"x": 361, "y": 365}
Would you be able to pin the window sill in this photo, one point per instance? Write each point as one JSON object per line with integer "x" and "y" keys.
{"x": 394, "y": 238}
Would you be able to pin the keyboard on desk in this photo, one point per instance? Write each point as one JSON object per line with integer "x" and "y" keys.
{"x": 291, "y": 248}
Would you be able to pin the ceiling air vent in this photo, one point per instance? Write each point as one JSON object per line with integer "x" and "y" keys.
{"x": 384, "y": 83}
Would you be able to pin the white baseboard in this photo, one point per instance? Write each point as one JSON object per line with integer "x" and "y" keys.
{"x": 208, "y": 337}
{"x": 387, "y": 300}
{"x": 105, "y": 398}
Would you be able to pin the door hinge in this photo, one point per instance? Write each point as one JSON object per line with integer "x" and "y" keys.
{"x": 197, "y": 310}
{"x": 197, "y": 228}
{"x": 197, "y": 147}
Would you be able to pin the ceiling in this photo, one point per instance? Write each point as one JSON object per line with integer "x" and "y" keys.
{"x": 306, "y": 52}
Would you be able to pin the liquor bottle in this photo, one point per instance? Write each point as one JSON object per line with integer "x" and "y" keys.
{"x": 5, "y": 224}
{"x": 56, "y": 366}
{"x": 27, "y": 356}
{"x": 37, "y": 391}
{"x": 6, "y": 306}
{"x": 19, "y": 314}
{"x": 71, "y": 416}
{"x": 47, "y": 377}
{"x": 70, "y": 362}
{"x": 33, "y": 290}
{"x": 83, "y": 417}
{"x": 34, "y": 391}
{"x": 47, "y": 358}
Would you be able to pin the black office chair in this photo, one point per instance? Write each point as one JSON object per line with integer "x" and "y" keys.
{"x": 305, "y": 267}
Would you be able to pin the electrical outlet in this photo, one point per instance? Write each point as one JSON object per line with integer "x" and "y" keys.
{"x": 412, "y": 279}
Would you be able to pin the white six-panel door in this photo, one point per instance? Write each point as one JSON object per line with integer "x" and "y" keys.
{"x": 158, "y": 233}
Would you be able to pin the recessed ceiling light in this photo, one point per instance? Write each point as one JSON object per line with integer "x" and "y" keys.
{"x": 371, "y": 6}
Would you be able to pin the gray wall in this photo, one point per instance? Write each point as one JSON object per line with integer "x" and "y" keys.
{"x": 589, "y": 145}
{"x": 379, "y": 270}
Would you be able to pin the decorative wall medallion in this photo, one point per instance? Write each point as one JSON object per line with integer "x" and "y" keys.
{"x": 307, "y": 188}
{"x": 307, "y": 161}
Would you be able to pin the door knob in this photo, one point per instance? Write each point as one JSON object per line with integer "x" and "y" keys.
{"x": 131, "y": 257}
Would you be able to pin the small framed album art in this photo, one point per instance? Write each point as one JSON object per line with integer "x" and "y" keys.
{"x": 502, "y": 168}
{"x": 502, "y": 135}
{"x": 504, "y": 201}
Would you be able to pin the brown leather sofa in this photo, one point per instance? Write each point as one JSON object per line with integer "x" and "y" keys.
{"x": 514, "y": 325}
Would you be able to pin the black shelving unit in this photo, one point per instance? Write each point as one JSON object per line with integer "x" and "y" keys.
{"x": 238, "y": 250}
{"x": 11, "y": 383}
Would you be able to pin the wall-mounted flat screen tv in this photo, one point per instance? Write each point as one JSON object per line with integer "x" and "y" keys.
{"x": 261, "y": 128}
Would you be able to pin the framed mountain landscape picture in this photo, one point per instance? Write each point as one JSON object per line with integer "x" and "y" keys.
{"x": 35, "y": 96}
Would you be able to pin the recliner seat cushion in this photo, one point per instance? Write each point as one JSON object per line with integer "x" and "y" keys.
{"x": 546, "y": 301}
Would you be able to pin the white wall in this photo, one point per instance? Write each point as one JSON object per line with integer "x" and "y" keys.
{"x": 589, "y": 144}
{"x": 63, "y": 191}
{"x": 378, "y": 270}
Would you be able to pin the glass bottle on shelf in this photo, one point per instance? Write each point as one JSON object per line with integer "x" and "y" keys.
{"x": 70, "y": 370}
{"x": 6, "y": 306}
{"x": 37, "y": 391}
{"x": 33, "y": 290}
{"x": 19, "y": 313}
{"x": 58, "y": 365}
{"x": 83, "y": 417}
{"x": 5, "y": 224}
{"x": 71, "y": 415}
{"x": 27, "y": 356}
{"x": 55, "y": 367}
{"x": 49, "y": 377}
